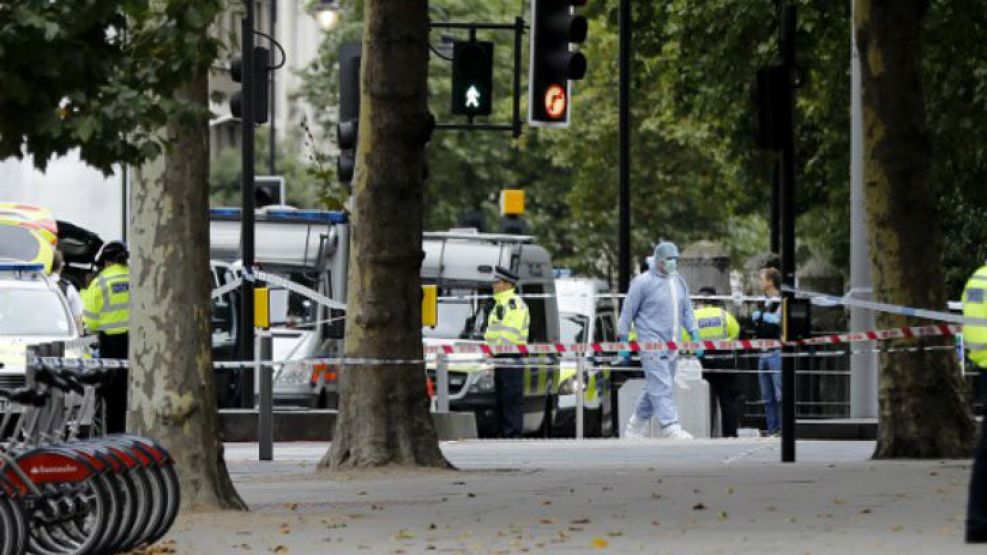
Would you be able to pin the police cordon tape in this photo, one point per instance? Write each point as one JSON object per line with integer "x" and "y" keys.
{"x": 487, "y": 351}
{"x": 907, "y": 332}
{"x": 819, "y": 299}
{"x": 823, "y": 299}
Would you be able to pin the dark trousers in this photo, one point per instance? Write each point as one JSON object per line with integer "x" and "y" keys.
{"x": 976, "y": 513}
{"x": 114, "y": 391}
{"x": 725, "y": 390}
{"x": 509, "y": 386}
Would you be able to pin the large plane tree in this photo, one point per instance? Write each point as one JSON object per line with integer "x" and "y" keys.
{"x": 923, "y": 406}
{"x": 124, "y": 81}
{"x": 383, "y": 409}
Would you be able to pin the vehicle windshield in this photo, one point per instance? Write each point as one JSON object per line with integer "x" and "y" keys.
{"x": 460, "y": 318}
{"x": 32, "y": 312}
{"x": 573, "y": 327}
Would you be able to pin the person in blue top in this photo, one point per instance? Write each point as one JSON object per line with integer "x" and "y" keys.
{"x": 658, "y": 305}
{"x": 767, "y": 325}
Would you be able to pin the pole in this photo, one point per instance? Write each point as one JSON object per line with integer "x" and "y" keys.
{"x": 580, "y": 368}
{"x": 624, "y": 202}
{"x": 265, "y": 423}
{"x": 518, "y": 47}
{"x": 124, "y": 201}
{"x": 272, "y": 138}
{"x": 863, "y": 365}
{"x": 787, "y": 204}
{"x": 776, "y": 210}
{"x": 247, "y": 200}
{"x": 442, "y": 383}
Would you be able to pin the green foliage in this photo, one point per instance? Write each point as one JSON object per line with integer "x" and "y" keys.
{"x": 98, "y": 75}
{"x": 695, "y": 171}
{"x": 302, "y": 188}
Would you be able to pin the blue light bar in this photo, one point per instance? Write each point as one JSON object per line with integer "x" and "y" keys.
{"x": 320, "y": 216}
{"x": 21, "y": 267}
{"x": 562, "y": 272}
{"x": 224, "y": 212}
{"x": 314, "y": 216}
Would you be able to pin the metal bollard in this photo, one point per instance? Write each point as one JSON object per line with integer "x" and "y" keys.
{"x": 265, "y": 423}
{"x": 442, "y": 383}
{"x": 580, "y": 368}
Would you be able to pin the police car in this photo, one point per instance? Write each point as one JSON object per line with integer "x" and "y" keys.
{"x": 32, "y": 310}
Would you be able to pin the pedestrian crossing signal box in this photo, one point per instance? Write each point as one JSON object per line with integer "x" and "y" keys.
{"x": 798, "y": 323}
{"x": 430, "y": 305}
{"x": 472, "y": 78}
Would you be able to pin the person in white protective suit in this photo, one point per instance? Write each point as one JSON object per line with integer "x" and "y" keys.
{"x": 658, "y": 305}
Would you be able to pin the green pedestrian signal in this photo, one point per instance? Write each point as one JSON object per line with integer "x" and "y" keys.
{"x": 472, "y": 78}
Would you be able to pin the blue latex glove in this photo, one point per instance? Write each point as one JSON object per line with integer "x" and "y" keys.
{"x": 698, "y": 352}
{"x": 756, "y": 316}
{"x": 772, "y": 318}
{"x": 623, "y": 357}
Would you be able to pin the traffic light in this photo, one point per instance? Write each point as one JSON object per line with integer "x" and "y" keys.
{"x": 554, "y": 28}
{"x": 349, "y": 110}
{"x": 772, "y": 97}
{"x": 472, "y": 78}
{"x": 261, "y": 85}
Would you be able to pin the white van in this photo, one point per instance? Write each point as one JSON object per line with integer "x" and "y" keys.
{"x": 461, "y": 263}
{"x": 586, "y": 315}
{"x": 309, "y": 248}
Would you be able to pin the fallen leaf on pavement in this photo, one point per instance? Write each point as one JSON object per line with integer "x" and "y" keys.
{"x": 615, "y": 533}
{"x": 600, "y": 543}
{"x": 404, "y": 535}
{"x": 699, "y": 507}
{"x": 279, "y": 549}
{"x": 548, "y": 521}
{"x": 722, "y": 515}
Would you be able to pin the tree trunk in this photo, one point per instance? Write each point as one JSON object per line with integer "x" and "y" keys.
{"x": 383, "y": 408}
{"x": 923, "y": 404}
{"x": 172, "y": 396}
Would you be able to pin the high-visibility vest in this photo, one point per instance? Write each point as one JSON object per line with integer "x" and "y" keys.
{"x": 106, "y": 302}
{"x": 508, "y": 321}
{"x": 975, "y": 306}
{"x": 714, "y": 324}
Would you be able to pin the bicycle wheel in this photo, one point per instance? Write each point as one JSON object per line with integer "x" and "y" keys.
{"x": 13, "y": 529}
{"x": 172, "y": 497}
{"x": 51, "y": 533}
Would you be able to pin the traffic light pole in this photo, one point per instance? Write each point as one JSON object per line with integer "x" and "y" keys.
{"x": 787, "y": 210}
{"x": 247, "y": 210}
{"x": 624, "y": 200}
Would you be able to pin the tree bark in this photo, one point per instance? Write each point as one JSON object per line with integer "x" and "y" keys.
{"x": 923, "y": 404}
{"x": 172, "y": 395}
{"x": 384, "y": 414}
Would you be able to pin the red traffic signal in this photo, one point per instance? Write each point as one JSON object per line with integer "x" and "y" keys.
{"x": 554, "y": 29}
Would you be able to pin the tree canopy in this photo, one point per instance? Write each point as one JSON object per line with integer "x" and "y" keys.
{"x": 98, "y": 75}
{"x": 695, "y": 172}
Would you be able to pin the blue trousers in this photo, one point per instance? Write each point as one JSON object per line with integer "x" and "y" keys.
{"x": 769, "y": 379}
{"x": 658, "y": 398}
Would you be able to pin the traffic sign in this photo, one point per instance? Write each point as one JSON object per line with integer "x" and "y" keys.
{"x": 555, "y": 101}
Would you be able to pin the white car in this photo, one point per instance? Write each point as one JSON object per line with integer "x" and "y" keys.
{"x": 32, "y": 310}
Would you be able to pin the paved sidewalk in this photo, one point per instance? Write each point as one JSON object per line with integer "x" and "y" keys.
{"x": 704, "y": 496}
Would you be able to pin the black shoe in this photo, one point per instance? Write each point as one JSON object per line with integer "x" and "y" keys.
{"x": 976, "y": 536}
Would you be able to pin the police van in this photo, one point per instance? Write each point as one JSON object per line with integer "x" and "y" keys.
{"x": 461, "y": 263}
{"x": 308, "y": 249}
{"x": 587, "y": 315}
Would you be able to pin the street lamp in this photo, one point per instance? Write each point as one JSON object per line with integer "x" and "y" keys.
{"x": 327, "y": 13}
